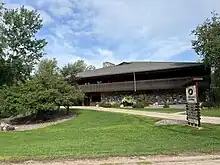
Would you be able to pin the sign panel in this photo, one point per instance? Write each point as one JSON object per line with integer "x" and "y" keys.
{"x": 193, "y": 113}
{"x": 191, "y": 94}
{"x": 192, "y": 107}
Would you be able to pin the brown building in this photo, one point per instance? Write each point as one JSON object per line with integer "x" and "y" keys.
{"x": 160, "y": 82}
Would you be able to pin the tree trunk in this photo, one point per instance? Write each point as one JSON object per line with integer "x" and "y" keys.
{"x": 67, "y": 110}
{"x": 58, "y": 108}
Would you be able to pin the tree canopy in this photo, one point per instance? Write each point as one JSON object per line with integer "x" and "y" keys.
{"x": 20, "y": 48}
{"x": 207, "y": 44}
{"x": 207, "y": 40}
{"x": 45, "y": 91}
{"x": 23, "y": 91}
{"x": 76, "y": 67}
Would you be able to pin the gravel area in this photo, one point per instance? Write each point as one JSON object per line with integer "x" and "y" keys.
{"x": 137, "y": 160}
{"x": 42, "y": 125}
{"x": 170, "y": 122}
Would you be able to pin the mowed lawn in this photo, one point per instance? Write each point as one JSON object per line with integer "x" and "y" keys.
{"x": 97, "y": 134}
{"x": 215, "y": 112}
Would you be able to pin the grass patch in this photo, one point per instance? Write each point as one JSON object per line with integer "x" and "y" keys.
{"x": 161, "y": 110}
{"x": 100, "y": 134}
{"x": 211, "y": 112}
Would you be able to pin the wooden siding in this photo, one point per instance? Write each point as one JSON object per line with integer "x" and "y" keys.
{"x": 172, "y": 83}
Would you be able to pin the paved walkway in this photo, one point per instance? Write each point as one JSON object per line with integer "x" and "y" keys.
{"x": 174, "y": 116}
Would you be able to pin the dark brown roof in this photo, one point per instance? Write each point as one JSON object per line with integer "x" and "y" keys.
{"x": 130, "y": 67}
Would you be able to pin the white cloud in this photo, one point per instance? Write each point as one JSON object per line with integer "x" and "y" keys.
{"x": 150, "y": 22}
{"x": 61, "y": 11}
{"x": 104, "y": 52}
{"x": 125, "y": 30}
{"x": 126, "y": 17}
{"x": 16, "y": 5}
{"x": 166, "y": 51}
{"x": 57, "y": 7}
{"x": 41, "y": 3}
{"x": 47, "y": 19}
{"x": 62, "y": 30}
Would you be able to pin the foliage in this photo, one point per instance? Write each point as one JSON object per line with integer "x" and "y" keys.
{"x": 9, "y": 101}
{"x": 215, "y": 92}
{"x": 166, "y": 105}
{"x": 207, "y": 105}
{"x": 115, "y": 105}
{"x": 105, "y": 104}
{"x": 70, "y": 71}
{"x": 28, "y": 98}
{"x": 128, "y": 101}
{"x": 48, "y": 66}
{"x": 68, "y": 95}
{"x": 207, "y": 42}
{"x": 46, "y": 91}
{"x": 20, "y": 49}
{"x": 78, "y": 66}
{"x": 207, "y": 45}
{"x": 139, "y": 104}
{"x": 84, "y": 137}
{"x": 146, "y": 103}
{"x": 50, "y": 78}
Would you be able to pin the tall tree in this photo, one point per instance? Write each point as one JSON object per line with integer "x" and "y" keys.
{"x": 207, "y": 45}
{"x": 48, "y": 66}
{"x": 76, "y": 67}
{"x": 21, "y": 49}
{"x": 49, "y": 77}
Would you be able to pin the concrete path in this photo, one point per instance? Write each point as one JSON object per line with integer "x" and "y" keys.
{"x": 204, "y": 119}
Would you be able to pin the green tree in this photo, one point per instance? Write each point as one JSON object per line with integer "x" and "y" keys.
{"x": 10, "y": 101}
{"x": 70, "y": 71}
{"x": 21, "y": 49}
{"x": 76, "y": 67}
{"x": 48, "y": 74}
{"x": 36, "y": 98}
{"x": 48, "y": 66}
{"x": 68, "y": 95}
{"x": 45, "y": 92}
{"x": 207, "y": 44}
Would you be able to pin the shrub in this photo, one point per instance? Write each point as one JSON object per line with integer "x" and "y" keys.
{"x": 11, "y": 101}
{"x": 139, "y": 105}
{"x": 146, "y": 103}
{"x": 143, "y": 98}
{"x": 115, "y": 105}
{"x": 128, "y": 101}
{"x": 105, "y": 104}
{"x": 166, "y": 106}
{"x": 207, "y": 105}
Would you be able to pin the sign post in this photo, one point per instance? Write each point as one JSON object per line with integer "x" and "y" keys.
{"x": 192, "y": 107}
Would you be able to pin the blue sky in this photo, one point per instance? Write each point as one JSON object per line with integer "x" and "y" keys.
{"x": 119, "y": 30}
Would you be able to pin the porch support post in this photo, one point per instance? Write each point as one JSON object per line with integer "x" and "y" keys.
{"x": 135, "y": 85}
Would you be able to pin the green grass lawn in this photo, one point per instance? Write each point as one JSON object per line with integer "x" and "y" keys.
{"x": 97, "y": 134}
{"x": 161, "y": 110}
{"x": 211, "y": 112}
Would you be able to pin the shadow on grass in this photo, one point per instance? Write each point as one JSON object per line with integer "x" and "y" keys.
{"x": 49, "y": 116}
